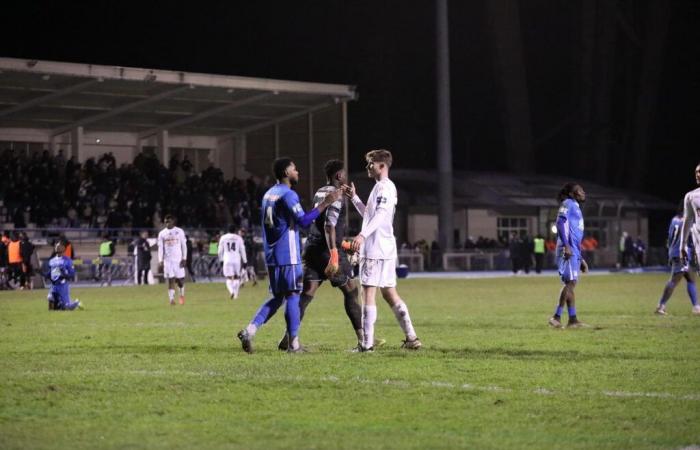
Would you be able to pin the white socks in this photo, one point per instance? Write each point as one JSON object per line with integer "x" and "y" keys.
{"x": 171, "y": 294}
{"x": 229, "y": 286}
{"x": 401, "y": 313}
{"x": 233, "y": 287}
{"x": 182, "y": 290}
{"x": 251, "y": 329}
{"x": 369, "y": 316}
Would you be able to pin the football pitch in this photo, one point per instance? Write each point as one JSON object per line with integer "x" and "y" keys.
{"x": 130, "y": 371}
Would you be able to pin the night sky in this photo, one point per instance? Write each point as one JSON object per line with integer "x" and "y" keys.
{"x": 386, "y": 49}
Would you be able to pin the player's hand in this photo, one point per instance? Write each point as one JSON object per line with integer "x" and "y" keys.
{"x": 333, "y": 263}
{"x": 349, "y": 191}
{"x": 584, "y": 266}
{"x": 567, "y": 252}
{"x": 331, "y": 269}
{"x": 357, "y": 243}
{"x": 183, "y": 263}
{"x": 160, "y": 267}
{"x": 333, "y": 196}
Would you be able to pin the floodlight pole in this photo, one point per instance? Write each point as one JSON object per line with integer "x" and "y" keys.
{"x": 444, "y": 129}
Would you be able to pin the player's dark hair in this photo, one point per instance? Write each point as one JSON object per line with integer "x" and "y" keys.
{"x": 168, "y": 217}
{"x": 279, "y": 167}
{"x": 332, "y": 167}
{"x": 567, "y": 191}
{"x": 379, "y": 156}
{"x": 233, "y": 228}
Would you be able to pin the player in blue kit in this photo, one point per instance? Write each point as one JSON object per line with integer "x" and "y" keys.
{"x": 60, "y": 271}
{"x": 569, "y": 236}
{"x": 282, "y": 215}
{"x": 679, "y": 268}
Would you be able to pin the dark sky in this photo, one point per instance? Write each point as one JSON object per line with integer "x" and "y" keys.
{"x": 386, "y": 48}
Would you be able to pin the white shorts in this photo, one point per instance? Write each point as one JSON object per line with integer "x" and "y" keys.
{"x": 172, "y": 269}
{"x": 232, "y": 269}
{"x": 378, "y": 272}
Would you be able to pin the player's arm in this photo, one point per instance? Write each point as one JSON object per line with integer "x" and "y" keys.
{"x": 183, "y": 249}
{"x": 160, "y": 251}
{"x": 221, "y": 250}
{"x": 291, "y": 200}
{"x": 382, "y": 213}
{"x": 350, "y": 193}
{"x": 332, "y": 216}
{"x": 241, "y": 251}
{"x": 685, "y": 227}
{"x": 69, "y": 269}
{"x": 563, "y": 229}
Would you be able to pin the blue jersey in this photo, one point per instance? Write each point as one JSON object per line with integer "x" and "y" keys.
{"x": 570, "y": 224}
{"x": 60, "y": 270}
{"x": 282, "y": 216}
{"x": 674, "y": 239}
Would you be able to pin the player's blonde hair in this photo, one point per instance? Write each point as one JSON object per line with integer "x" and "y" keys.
{"x": 379, "y": 156}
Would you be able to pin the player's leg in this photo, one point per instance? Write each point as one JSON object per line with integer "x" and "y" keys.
{"x": 171, "y": 290}
{"x": 369, "y": 316}
{"x": 235, "y": 279}
{"x": 571, "y": 305}
{"x": 265, "y": 312}
{"x": 181, "y": 287}
{"x": 668, "y": 290}
{"x": 690, "y": 277}
{"x": 391, "y": 295}
{"x": 293, "y": 285}
{"x": 227, "y": 271}
{"x": 353, "y": 309}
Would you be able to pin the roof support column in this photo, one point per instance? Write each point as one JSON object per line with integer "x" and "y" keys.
{"x": 346, "y": 161}
{"x": 76, "y": 143}
{"x": 311, "y": 157}
{"x": 164, "y": 146}
{"x": 444, "y": 132}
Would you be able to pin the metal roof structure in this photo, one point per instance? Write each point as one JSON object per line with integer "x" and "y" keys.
{"x": 60, "y": 96}
{"x": 498, "y": 190}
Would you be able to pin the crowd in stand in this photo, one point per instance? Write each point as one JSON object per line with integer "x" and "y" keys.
{"x": 50, "y": 191}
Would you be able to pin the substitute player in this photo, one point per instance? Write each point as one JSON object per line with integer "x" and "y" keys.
{"x": 172, "y": 257}
{"x": 321, "y": 260}
{"x": 61, "y": 270}
{"x": 377, "y": 246}
{"x": 232, "y": 256}
{"x": 282, "y": 217}
{"x": 679, "y": 270}
{"x": 691, "y": 220}
{"x": 569, "y": 235}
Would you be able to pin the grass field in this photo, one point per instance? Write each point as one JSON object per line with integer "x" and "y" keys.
{"x": 132, "y": 372}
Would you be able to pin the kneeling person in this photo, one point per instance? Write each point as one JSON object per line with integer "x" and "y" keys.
{"x": 60, "y": 271}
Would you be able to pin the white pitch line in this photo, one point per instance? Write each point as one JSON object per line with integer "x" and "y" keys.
{"x": 404, "y": 384}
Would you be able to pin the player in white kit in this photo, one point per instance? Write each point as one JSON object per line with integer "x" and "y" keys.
{"x": 691, "y": 221}
{"x": 172, "y": 257}
{"x": 376, "y": 245}
{"x": 232, "y": 256}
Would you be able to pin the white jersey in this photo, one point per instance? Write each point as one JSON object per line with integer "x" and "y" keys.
{"x": 172, "y": 245}
{"x": 691, "y": 219}
{"x": 232, "y": 249}
{"x": 378, "y": 222}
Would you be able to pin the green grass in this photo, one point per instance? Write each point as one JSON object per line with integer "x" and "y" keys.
{"x": 132, "y": 372}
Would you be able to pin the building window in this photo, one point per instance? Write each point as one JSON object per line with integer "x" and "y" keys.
{"x": 507, "y": 225}
{"x": 598, "y": 229}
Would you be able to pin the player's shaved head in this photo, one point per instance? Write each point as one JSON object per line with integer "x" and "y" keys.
{"x": 280, "y": 166}
{"x": 332, "y": 167}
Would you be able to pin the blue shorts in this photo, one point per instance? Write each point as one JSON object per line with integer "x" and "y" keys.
{"x": 569, "y": 268}
{"x": 677, "y": 266}
{"x": 284, "y": 279}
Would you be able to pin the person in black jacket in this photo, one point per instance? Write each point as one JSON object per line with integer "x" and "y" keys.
{"x": 143, "y": 258}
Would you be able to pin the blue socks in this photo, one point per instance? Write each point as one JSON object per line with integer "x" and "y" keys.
{"x": 293, "y": 315}
{"x": 572, "y": 311}
{"x": 692, "y": 293}
{"x": 267, "y": 310}
{"x": 558, "y": 311}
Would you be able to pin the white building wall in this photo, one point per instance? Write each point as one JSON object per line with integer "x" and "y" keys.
{"x": 482, "y": 222}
